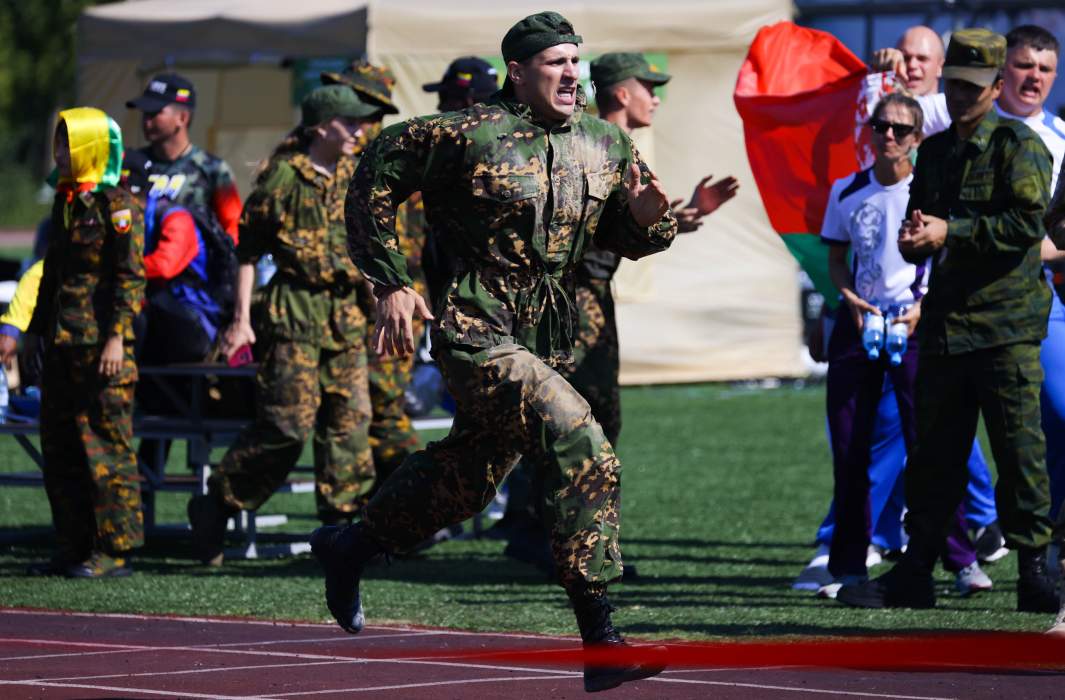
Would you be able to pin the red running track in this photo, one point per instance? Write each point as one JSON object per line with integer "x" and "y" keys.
{"x": 47, "y": 654}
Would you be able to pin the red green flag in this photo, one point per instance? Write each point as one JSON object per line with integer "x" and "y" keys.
{"x": 798, "y": 96}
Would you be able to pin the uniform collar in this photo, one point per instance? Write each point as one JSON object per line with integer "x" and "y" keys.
{"x": 982, "y": 136}
{"x": 505, "y": 98}
{"x": 301, "y": 163}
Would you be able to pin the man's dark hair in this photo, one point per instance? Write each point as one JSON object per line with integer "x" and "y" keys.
{"x": 1031, "y": 36}
{"x": 606, "y": 100}
{"x": 910, "y": 104}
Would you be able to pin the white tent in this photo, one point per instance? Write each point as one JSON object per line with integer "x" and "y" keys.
{"x": 721, "y": 304}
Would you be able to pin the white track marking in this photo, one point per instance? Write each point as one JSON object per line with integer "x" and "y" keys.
{"x": 792, "y": 689}
{"x": 153, "y": 674}
{"x": 431, "y": 684}
{"x": 135, "y": 692}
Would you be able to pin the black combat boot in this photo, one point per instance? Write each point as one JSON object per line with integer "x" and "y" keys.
{"x": 1035, "y": 590}
{"x": 208, "y": 517}
{"x": 343, "y": 552}
{"x": 592, "y": 609}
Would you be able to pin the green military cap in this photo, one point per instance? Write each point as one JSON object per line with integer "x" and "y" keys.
{"x": 535, "y": 33}
{"x": 612, "y": 68}
{"x": 975, "y": 56}
{"x": 373, "y": 83}
{"x": 327, "y": 102}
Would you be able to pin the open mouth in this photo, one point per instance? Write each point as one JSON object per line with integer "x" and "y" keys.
{"x": 566, "y": 94}
{"x": 1031, "y": 92}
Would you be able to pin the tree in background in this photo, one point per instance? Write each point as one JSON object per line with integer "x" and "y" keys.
{"x": 37, "y": 76}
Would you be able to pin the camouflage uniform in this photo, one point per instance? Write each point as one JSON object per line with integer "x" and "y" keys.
{"x": 392, "y": 436}
{"x": 981, "y": 324}
{"x": 517, "y": 203}
{"x": 91, "y": 289}
{"x": 312, "y": 377}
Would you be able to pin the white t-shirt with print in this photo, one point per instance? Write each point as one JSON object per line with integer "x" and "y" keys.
{"x": 866, "y": 215}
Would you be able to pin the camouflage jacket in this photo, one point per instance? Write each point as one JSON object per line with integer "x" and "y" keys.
{"x": 296, "y": 213}
{"x": 93, "y": 281}
{"x": 515, "y": 202}
{"x": 986, "y": 287}
{"x": 199, "y": 181}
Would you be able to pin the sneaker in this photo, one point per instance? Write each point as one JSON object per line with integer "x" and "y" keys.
{"x": 1059, "y": 624}
{"x": 831, "y": 590}
{"x": 873, "y": 557}
{"x": 972, "y": 579}
{"x": 100, "y": 565}
{"x": 342, "y": 554}
{"x": 816, "y": 574}
{"x": 990, "y": 544}
{"x": 902, "y": 587}
{"x": 1035, "y": 591}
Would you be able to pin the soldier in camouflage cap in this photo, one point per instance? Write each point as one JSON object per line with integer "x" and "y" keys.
{"x": 373, "y": 83}
{"x": 975, "y": 214}
{"x": 312, "y": 380}
{"x": 91, "y": 289}
{"x": 516, "y": 186}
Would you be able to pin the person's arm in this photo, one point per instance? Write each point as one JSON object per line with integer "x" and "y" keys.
{"x": 636, "y": 220}
{"x": 19, "y": 312}
{"x": 1055, "y": 218}
{"x": 840, "y": 273}
{"x": 405, "y": 158}
{"x": 1020, "y": 224}
{"x": 240, "y": 333}
{"x": 706, "y": 199}
{"x": 177, "y": 247}
{"x": 126, "y": 228}
{"x": 225, "y": 200}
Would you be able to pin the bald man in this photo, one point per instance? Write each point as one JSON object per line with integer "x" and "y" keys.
{"x": 917, "y": 60}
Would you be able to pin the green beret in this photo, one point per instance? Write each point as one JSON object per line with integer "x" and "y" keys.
{"x": 975, "y": 56}
{"x": 373, "y": 83}
{"x": 611, "y": 68}
{"x": 325, "y": 103}
{"x": 535, "y": 33}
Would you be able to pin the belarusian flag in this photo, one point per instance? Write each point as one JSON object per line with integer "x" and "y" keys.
{"x": 798, "y": 96}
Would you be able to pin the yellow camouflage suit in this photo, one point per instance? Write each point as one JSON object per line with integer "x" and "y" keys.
{"x": 312, "y": 377}
{"x": 92, "y": 288}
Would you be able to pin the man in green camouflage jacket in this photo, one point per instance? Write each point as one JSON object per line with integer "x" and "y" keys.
{"x": 516, "y": 188}
{"x": 976, "y": 208}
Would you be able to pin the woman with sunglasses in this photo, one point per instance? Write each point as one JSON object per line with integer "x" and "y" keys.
{"x": 864, "y": 213}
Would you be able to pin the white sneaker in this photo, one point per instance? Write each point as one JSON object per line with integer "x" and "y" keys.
{"x": 816, "y": 573}
{"x": 972, "y": 579}
{"x": 873, "y": 557}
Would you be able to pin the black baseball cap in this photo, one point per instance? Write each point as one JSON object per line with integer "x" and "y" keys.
{"x": 165, "y": 89}
{"x": 470, "y": 75}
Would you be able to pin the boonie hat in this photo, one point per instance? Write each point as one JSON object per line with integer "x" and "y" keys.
{"x": 611, "y": 68}
{"x": 330, "y": 101}
{"x": 373, "y": 83}
{"x": 975, "y": 56}
{"x": 165, "y": 89}
{"x": 470, "y": 75}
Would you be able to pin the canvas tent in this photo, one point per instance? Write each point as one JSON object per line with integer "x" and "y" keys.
{"x": 721, "y": 304}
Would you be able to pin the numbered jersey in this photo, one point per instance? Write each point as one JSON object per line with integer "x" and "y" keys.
{"x": 199, "y": 182}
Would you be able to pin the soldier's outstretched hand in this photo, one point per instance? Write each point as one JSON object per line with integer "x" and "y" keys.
{"x": 708, "y": 196}
{"x": 396, "y": 307}
{"x": 647, "y": 203}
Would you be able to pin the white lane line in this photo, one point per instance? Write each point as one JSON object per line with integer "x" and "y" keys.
{"x": 674, "y": 671}
{"x": 384, "y": 630}
{"x": 153, "y": 674}
{"x": 405, "y": 686}
{"x": 790, "y": 689}
{"x": 134, "y": 692}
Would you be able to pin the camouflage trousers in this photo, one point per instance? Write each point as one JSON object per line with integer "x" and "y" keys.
{"x": 952, "y": 391}
{"x": 90, "y": 468}
{"x": 304, "y": 390}
{"x": 510, "y": 403}
{"x": 392, "y": 436}
{"x": 594, "y": 372}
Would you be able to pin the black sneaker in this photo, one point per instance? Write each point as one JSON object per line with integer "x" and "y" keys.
{"x": 1035, "y": 591}
{"x": 990, "y": 544}
{"x": 100, "y": 565}
{"x": 902, "y": 587}
{"x": 343, "y": 552}
{"x": 208, "y": 519}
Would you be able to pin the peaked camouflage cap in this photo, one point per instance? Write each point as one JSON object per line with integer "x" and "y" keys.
{"x": 535, "y": 33}
{"x": 975, "y": 56}
{"x": 611, "y": 68}
{"x": 373, "y": 83}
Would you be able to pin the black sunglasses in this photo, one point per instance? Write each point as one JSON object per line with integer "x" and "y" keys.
{"x": 881, "y": 127}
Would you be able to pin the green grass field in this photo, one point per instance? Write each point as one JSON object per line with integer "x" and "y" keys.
{"x": 723, "y": 490}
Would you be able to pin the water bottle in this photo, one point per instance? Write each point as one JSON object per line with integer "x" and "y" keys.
{"x": 265, "y": 269}
{"x": 3, "y": 394}
{"x": 873, "y": 334}
{"x": 897, "y": 335}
